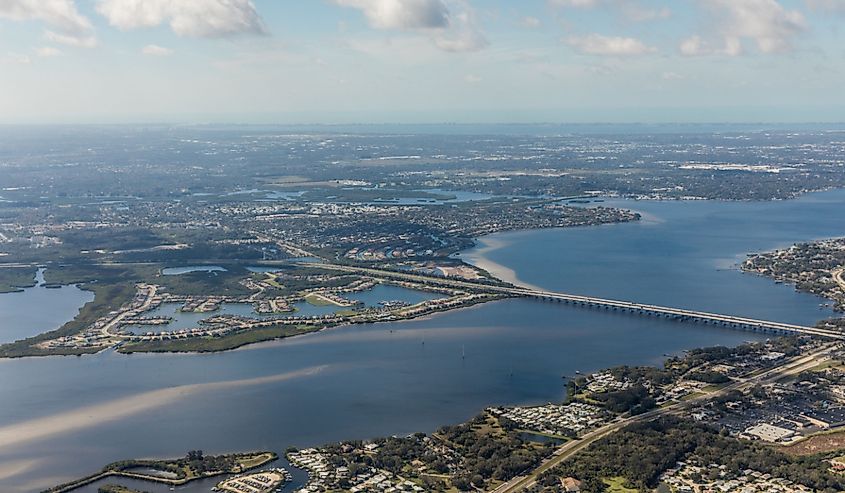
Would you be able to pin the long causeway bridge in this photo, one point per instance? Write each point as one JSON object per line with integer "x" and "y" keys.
{"x": 678, "y": 314}
{"x": 683, "y": 315}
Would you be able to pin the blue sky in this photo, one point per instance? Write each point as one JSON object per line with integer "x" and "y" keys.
{"x": 342, "y": 61}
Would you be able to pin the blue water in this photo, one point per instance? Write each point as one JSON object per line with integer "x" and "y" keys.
{"x": 682, "y": 254}
{"x": 397, "y": 378}
{"x": 39, "y": 309}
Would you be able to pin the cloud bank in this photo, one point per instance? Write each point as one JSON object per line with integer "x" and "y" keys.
{"x": 596, "y": 44}
{"x": 67, "y": 25}
{"x": 763, "y": 24}
{"x": 189, "y": 18}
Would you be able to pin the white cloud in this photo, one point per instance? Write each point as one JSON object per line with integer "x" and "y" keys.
{"x": 75, "y": 40}
{"x": 463, "y": 34}
{"x": 639, "y": 14}
{"x": 191, "y": 18}
{"x": 66, "y": 24}
{"x": 451, "y": 26}
{"x": 402, "y": 14}
{"x": 156, "y": 50}
{"x": 596, "y": 44}
{"x": 672, "y": 76}
{"x": 630, "y": 10}
{"x": 837, "y": 6}
{"x": 574, "y": 3}
{"x": 47, "y": 52}
{"x": 694, "y": 46}
{"x": 16, "y": 58}
{"x": 60, "y": 14}
{"x": 766, "y": 24}
{"x": 472, "y": 79}
{"x": 529, "y": 22}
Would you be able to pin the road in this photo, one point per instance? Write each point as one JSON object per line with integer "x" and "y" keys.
{"x": 837, "y": 276}
{"x": 678, "y": 313}
{"x": 570, "y": 449}
{"x": 285, "y": 246}
{"x": 115, "y": 322}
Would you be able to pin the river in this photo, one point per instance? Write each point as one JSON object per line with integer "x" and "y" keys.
{"x": 65, "y": 417}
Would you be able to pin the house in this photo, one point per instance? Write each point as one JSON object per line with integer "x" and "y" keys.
{"x": 571, "y": 485}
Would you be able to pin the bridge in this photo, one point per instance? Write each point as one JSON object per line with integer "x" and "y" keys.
{"x": 678, "y": 314}
{"x": 684, "y": 315}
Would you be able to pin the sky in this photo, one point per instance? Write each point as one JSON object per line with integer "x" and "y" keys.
{"x": 421, "y": 61}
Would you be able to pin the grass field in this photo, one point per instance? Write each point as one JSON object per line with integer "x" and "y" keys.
{"x": 317, "y": 300}
{"x": 817, "y": 444}
{"x": 215, "y": 344}
{"x": 617, "y": 485}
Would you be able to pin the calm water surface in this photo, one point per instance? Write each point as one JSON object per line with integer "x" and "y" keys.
{"x": 38, "y": 309}
{"x": 370, "y": 380}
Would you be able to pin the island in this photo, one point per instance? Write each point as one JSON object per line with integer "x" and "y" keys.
{"x": 174, "y": 472}
{"x": 116, "y": 488}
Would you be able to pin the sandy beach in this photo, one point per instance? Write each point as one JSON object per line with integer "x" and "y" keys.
{"x": 479, "y": 258}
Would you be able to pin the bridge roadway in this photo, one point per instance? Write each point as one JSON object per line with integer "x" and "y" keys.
{"x": 679, "y": 314}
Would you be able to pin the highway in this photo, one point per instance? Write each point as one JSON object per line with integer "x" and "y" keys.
{"x": 602, "y": 303}
{"x": 570, "y": 449}
{"x": 837, "y": 276}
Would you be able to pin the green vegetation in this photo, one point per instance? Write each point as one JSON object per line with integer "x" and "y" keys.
{"x": 476, "y": 455}
{"x": 369, "y": 195}
{"x": 193, "y": 283}
{"x": 635, "y": 400}
{"x": 809, "y": 266}
{"x": 490, "y": 452}
{"x": 15, "y": 278}
{"x": 203, "y": 283}
{"x": 618, "y": 485}
{"x": 194, "y": 465}
{"x": 215, "y": 344}
{"x": 643, "y": 451}
{"x": 709, "y": 376}
{"x": 85, "y": 273}
{"x": 116, "y": 488}
{"x": 315, "y": 300}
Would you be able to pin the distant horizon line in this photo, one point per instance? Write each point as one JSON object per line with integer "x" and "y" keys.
{"x": 187, "y": 123}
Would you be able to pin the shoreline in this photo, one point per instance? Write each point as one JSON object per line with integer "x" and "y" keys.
{"x": 262, "y": 459}
{"x": 478, "y": 258}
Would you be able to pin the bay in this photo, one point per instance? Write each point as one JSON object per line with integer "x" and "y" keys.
{"x": 66, "y": 417}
